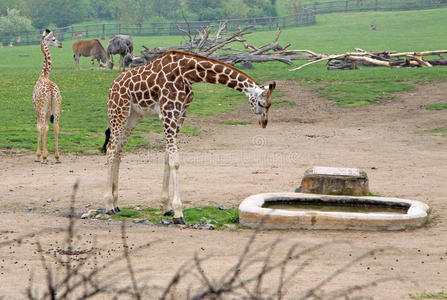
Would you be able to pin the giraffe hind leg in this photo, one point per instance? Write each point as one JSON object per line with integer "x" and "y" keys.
{"x": 45, "y": 128}
{"x": 39, "y": 135}
{"x": 54, "y": 118}
{"x": 119, "y": 135}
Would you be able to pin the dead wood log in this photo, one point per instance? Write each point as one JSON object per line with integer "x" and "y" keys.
{"x": 386, "y": 58}
{"x": 218, "y": 46}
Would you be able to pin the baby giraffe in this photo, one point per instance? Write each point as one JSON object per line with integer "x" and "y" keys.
{"x": 47, "y": 98}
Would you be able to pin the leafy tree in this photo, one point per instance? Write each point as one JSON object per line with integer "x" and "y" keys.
{"x": 21, "y": 5}
{"x": 236, "y": 9}
{"x": 260, "y": 8}
{"x": 39, "y": 13}
{"x": 59, "y": 12}
{"x": 67, "y": 12}
{"x": 99, "y": 9}
{"x": 168, "y": 9}
{"x": 206, "y": 9}
{"x": 294, "y": 6}
{"x": 135, "y": 11}
{"x": 14, "y": 23}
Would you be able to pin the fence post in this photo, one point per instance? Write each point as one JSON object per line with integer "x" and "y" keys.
{"x": 315, "y": 7}
{"x": 72, "y": 32}
{"x": 86, "y": 31}
{"x": 103, "y": 29}
{"x": 391, "y": 4}
{"x": 375, "y": 5}
{"x": 346, "y": 5}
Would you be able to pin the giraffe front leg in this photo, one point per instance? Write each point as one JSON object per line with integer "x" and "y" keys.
{"x": 166, "y": 204}
{"x": 177, "y": 206}
{"x": 111, "y": 196}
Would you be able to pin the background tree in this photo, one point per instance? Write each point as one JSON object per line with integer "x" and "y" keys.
{"x": 133, "y": 11}
{"x": 206, "y": 9}
{"x": 99, "y": 9}
{"x": 21, "y": 5}
{"x": 168, "y": 9}
{"x": 13, "y": 23}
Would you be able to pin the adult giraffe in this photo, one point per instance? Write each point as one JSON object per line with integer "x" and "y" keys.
{"x": 47, "y": 98}
{"x": 164, "y": 85}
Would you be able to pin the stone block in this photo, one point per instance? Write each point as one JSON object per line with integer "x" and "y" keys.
{"x": 335, "y": 181}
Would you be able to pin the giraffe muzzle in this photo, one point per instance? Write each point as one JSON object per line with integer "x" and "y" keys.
{"x": 263, "y": 122}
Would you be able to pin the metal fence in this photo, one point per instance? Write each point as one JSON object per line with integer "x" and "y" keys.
{"x": 306, "y": 17}
{"x": 374, "y": 5}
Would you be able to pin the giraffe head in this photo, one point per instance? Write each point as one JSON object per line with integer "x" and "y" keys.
{"x": 49, "y": 39}
{"x": 260, "y": 101}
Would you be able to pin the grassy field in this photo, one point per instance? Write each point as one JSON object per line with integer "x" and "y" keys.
{"x": 84, "y": 92}
{"x": 193, "y": 215}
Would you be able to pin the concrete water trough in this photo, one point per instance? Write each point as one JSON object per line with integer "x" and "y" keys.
{"x": 313, "y": 211}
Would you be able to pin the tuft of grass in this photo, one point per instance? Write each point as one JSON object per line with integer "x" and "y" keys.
{"x": 236, "y": 122}
{"x": 354, "y": 94}
{"x": 374, "y": 194}
{"x": 429, "y": 295}
{"x": 192, "y": 215}
{"x": 284, "y": 102}
{"x": 436, "y": 106}
{"x": 438, "y": 130}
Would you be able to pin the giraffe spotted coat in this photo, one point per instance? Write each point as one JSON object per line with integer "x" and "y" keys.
{"x": 165, "y": 86}
{"x": 47, "y": 99}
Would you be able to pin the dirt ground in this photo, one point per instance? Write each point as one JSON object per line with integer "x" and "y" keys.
{"x": 224, "y": 165}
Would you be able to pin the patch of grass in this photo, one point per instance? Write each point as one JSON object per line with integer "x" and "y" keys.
{"x": 284, "y": 102}
{"x": 374, "y": 194}
{"x": 236, "y": 123}
{"x": 192, "y": 215}
{"x": 353, "y": 94}
{"x": 436, "y": 106}
{"x": 84, "y": 93}
{"x": 438, "y": 130}
{"x": 429, "y": 295}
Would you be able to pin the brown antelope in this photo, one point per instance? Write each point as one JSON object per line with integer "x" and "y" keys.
{"x": 92, "y": 48}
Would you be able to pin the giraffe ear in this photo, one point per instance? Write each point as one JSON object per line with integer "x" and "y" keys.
{"x": 272, "y": 86}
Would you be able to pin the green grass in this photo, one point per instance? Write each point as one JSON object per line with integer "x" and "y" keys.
{"x": 436, "y": 106}
{"x": 429, "y": 295}
{"x": 236, "y": 123}
{"x": 84, "y": 92}
{"x": 438, "y": 130}
{"x": 192, "y": 215}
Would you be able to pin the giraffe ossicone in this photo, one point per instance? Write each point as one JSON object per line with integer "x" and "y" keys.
{"x": 165, "y": 86}
{"x": 47, "y": 99}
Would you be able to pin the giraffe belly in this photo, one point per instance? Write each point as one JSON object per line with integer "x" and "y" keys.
{"x": 145, "y": 111}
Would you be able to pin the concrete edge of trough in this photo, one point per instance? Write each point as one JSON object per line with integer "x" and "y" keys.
{"x": 252, "y": 214}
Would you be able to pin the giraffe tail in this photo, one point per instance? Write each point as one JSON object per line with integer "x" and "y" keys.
{"x": 104, "y": 147}
{"x": 52, "y": 118}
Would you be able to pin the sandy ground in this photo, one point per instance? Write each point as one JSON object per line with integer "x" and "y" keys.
{"x": 224, "y": 165}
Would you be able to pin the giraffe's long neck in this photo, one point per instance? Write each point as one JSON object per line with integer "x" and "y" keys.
{"x": 200, "y": 69}
{"x": 46, "y": 60}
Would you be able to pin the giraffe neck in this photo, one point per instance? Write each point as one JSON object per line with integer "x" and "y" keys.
{"x": 46, "y": 60}
{"x": 203, "y": 69}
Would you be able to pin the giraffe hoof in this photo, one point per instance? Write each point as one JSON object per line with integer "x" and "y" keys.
{"x": 168, "y": 213}
{"x": 37, "y": 160}
{"x": 110, "y": 212}
{"x": 178, "y": 220}
{"x": 58, "y": 161}
{"x": 117, "y": 209}
{"x": 44, "y": 162}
